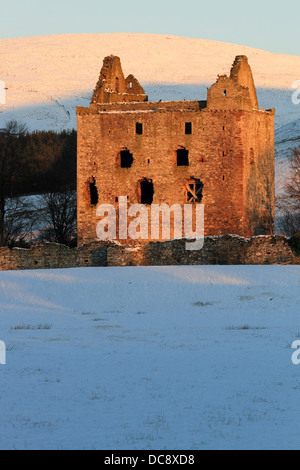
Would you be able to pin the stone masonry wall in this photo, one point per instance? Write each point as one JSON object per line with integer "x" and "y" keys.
{"x": 219, "y": 156}
{"x": 224, "y": 250}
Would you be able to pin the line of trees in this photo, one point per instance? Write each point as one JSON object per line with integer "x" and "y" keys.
{"x": 37, "y": 163}
{"x": 289, "y": 203}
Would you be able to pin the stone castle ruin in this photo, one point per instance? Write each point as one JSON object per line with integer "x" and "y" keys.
{"x": 218, "y": 152}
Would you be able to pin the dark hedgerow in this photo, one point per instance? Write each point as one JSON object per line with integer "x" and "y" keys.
{"x": 294, "y": 243}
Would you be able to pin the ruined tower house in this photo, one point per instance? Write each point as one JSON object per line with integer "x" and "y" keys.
{"x": 218, "y": 152}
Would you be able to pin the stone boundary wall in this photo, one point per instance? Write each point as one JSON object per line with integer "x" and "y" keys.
{"x": 222, "y": 250}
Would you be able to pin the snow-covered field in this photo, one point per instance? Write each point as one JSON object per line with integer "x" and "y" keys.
{"x": 150, "y": 358}
{"x": 147, "y": 358}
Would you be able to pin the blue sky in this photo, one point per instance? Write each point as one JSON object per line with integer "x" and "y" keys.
{"x": 263, "y": 24}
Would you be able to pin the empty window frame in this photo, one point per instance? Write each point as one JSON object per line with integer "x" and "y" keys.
{"x": 93, "y": 192}
{"x": 146, "y": 191}
{"x": 182, "y": 157}
{"x": 194, "y": 190}
{"x": 126, "y": 159}
{"x": 188, "y": 128}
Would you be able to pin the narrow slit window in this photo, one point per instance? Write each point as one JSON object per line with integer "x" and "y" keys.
{"x": 117, "y": 84}
{"x": 139, "y": 128}
{"x": 188, "y": 128}
{"x": 225, "y": 93}
{"x": 182, "y": 157}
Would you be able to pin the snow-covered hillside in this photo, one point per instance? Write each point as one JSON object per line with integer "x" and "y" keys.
{"x": 150, "y": 358}
{"x": 47, "y": 77}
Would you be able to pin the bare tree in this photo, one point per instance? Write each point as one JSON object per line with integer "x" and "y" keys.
{"x": 293, "y": 185}
{"x": 19, "y": 222}
{"x": 60, "y": 217}
{"x": 12, "y": 167}
{"x": 15, "y": 128}
{"x": 289, "y": 203}
{"x": 261, "y": 199}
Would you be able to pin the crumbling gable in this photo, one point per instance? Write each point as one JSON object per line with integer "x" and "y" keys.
{"x": 234, "y": 92}
{"x": 242, "y": 74}
{"x": 112, "y": 87}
